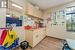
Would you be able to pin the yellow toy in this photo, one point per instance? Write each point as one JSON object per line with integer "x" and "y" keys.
{"x": 11, "y": 36}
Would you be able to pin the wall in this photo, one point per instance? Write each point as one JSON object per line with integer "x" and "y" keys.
{"x": 58, "y": 31}
{"x": 20, "y": 30}
{"x": 2, "y": 18}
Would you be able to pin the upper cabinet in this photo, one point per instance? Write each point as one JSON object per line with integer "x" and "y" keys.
{"x": 33, "y": 10}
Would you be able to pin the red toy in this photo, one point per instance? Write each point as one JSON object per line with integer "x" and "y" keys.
{"x": 4, "y": 33}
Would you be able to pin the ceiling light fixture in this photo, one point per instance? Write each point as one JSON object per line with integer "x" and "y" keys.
{"x": 15, "y": 5}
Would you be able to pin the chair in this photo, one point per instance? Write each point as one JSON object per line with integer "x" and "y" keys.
{"x": 66, "y": 46}
{"x": 24, "y": 45}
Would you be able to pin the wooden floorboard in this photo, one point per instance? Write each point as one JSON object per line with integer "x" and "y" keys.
{"x": 48, "y": 43}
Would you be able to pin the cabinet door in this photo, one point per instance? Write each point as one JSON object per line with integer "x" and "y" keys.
{"x": 41, "y": 34}
{"x": 35, "y": 39}
{"x": 30, "y": 9}
{"x": 39, "y": 13}
{"x": 29, "y": 37}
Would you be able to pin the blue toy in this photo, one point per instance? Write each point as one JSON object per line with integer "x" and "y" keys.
{"x": 10, "y": 47}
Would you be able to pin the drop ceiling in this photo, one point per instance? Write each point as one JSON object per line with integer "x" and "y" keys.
{"x": 44, "y": 4}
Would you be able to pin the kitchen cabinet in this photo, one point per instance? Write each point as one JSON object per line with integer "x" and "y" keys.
{"x": 35, "y": 36}
{"x": 33, "y": 11}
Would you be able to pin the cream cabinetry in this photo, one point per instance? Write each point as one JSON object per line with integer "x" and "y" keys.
{"x": 33, "y": 11}
{"x": 35, "y": 36}
{"x": 29, "y": 9}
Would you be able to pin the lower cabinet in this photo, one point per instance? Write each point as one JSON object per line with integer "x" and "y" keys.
{"x": 35, "y": 36}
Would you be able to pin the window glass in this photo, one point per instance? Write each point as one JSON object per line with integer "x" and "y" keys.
{"x": 70, "y": 19}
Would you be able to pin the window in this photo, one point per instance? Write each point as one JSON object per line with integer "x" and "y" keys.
{"x": 70, "y": 18}
{"x": 3, "y": 3}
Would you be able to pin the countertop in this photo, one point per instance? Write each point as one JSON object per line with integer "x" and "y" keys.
{"x": 35, "y": 29}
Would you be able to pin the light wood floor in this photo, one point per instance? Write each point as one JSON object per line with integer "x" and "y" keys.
{"x": 47, "y": 44}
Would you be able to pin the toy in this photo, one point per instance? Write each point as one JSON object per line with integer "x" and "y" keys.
{"x": 8, "y": 40}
